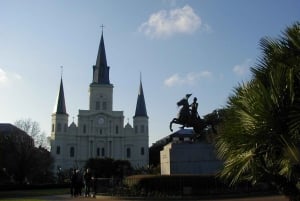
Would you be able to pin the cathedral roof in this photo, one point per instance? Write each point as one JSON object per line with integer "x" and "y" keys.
{"x": 141, "y": 110}
{"x": 73, "y": 125}
{"x": 101, "y": 70}
{"x": 60, "y": 106}
{"x": 128, "y": 125}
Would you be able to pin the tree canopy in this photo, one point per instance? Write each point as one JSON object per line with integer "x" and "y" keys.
{"x": 33, "y": 129}
{"x": 260, "y": 141}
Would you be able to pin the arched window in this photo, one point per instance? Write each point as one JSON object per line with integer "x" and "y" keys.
{"x": 117, "y": 129}
{"x": 142, "y": 128}
{"x": 52, "y": 127}
{"x": 65, "y": 128}
{"x": 58, "y": 150}
{"x": 72, "y": 152}
{"x": 98, "y": 151}
{"x": 97, "y": 105}
{"x": 104, "y": 105}
{"x": 84, "y": 128}
{"x": 128, "y": 153}
{"x": 142, "y": 151}
{"x": 102, "y": 152}
{"x": 58, "y": 127}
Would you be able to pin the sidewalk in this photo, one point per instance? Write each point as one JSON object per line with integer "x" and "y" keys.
{"x": 103, "y": 198}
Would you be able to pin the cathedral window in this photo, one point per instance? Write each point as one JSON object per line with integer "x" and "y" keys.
{"x": 72, "y": 152}
{"x": 142, "y": 128}
{"x": 102, "y": 152}
{"x": 104, "y": 105}
{"x": 98, "y": 151}
{"x": 58, "y": 127}
{"x": 58, "y": 150}
{"x": 128, "y": 152}
{"x": 65, "y": 128}
{"x": 97, "y": 105}
{"x": 142, "y": 151}
{"x": 84, "y": 128}
{"x": 91, "y": 148}
{"x": 117, "y": 129}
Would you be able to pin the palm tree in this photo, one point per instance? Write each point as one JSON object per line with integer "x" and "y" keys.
{"x": 261, "y": 132}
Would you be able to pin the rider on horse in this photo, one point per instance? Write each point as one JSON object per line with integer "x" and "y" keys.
{"x": 194, "y": 109}
{"x": 188, "y": 116}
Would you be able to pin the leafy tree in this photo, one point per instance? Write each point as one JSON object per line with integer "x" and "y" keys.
{"x": 24, "y": 162}
{"x": 261, "y": 132}
{"x": 33, "y": 129}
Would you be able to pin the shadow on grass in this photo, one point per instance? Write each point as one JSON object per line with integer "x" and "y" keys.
{"x": 29, "y": 195}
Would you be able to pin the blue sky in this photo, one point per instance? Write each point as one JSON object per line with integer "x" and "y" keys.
{"x": 202, "y": 47}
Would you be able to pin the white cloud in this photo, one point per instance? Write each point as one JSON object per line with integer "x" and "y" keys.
{"x": 242, "y": 69}
{"x": 8, "y": 77}
{"x": 3, "y": 76}
{"x": 188, "y": 79}
{"x": 164, "y": 23}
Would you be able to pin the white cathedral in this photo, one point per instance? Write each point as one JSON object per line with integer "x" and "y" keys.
{"x": 100, "y": 131}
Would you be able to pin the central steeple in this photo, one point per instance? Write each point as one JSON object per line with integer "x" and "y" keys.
{"x": 101, "y": 90}
{"x": 101, "y": 70}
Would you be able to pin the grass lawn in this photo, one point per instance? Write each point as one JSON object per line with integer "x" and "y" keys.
{"x": 19, "y": 199}
{"x": 29, "y": 195}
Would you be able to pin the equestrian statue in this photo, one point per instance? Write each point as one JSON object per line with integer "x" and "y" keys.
{"x": 188, "y": 116}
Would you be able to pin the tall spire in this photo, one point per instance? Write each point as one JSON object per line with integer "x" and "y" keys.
{"x": 60, "y": 106}
{"x": 101, "y": 70}
{"x": 140, "y": 110}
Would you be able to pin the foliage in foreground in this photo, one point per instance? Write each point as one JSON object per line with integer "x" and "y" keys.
{"x": 261, "y": 137}
{"x": 24, "y": 163}
{"x": 108, "y": 167}
{"x": 185, "y": 185}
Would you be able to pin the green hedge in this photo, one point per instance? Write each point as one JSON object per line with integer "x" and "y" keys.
{"x": 184, "y": 185}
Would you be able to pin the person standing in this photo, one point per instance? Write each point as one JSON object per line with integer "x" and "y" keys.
{"x": 87, "y": 182}
{"x": 73, "y": 183}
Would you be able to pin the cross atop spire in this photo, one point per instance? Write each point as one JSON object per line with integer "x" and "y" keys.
{"x": 102, "y": 26}
{"x": 61, "y": 71}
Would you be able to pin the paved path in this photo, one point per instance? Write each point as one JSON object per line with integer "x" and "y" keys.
{"x": 103, "y": 198}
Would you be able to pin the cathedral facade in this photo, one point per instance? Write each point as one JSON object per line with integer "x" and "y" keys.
{"x": 100, "y": 131}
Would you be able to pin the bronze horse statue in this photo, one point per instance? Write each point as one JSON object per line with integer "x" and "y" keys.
{"x": 188, "y": 119}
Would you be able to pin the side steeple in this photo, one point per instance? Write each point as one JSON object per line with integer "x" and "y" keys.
{"x": 60, "y": 106}
{"x": 59, "y": 115}
{"x": 140, "y": 110}
{"x": 101, "y": 70}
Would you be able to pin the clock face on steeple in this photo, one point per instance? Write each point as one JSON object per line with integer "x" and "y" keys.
{"x": 100, "y": 120}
